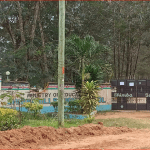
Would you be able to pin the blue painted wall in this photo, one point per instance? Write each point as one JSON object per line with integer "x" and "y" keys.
{"x": 103, "y": 107}
{"x": 49, "y": 108}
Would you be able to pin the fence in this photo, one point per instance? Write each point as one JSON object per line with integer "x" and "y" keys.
{"x": 51, "y": 94}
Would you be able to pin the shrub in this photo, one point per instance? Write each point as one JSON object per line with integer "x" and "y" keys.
{"x": 7, "y": 111}
{"x": 9, "y": 119}
{"x": 74, "y": 106}
{"x": 33, "y": 107}
{"x": 55, "y": 105}
{"x": 89, "y": 99}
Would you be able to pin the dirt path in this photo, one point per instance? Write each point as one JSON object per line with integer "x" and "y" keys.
{"x": 89, "y": 136}
{"x": 137, "y": 139}
{"x": 124, "y": 114}
{"x": 134, "y": 140}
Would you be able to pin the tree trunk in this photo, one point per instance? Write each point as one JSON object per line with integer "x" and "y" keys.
{"x": 83, "y": 70}
{"x": 137, "y": 58}
{"x": 122, "y": 69}
{"x": 127, "y": 66}
{"x": 21, "y": 24}
{"x": 7, "y": 25}
{"x": 10, "y": 31}
{"x": 34, "y": 22}
{"x": 119, "y": 56}
{"x": 43, "y": 45}
{"x": 128, "y": 53}
{"x": 131, "y": 64}
{"x": 114, "y": 53}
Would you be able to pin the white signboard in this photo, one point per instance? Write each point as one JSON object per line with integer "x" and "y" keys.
{"x": 121, "y": 83}
{"x": 131, "y": 84}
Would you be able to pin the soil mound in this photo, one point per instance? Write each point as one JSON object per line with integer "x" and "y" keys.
{"x": 34, "y": 137}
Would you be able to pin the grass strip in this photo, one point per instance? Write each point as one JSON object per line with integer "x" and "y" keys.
{"x": 128, "y": 122}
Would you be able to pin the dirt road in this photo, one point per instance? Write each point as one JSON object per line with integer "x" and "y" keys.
{"x": 90, "y": 136}
{"x": 132, "y": 140}
{"x": 136, "y": 139}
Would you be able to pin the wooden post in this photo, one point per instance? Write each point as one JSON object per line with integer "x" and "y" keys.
{"x": 61, "y": 69}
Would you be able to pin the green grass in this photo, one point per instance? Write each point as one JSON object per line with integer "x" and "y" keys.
{"x": 106, "y": 111}
{"x": 53, "y": 123}
{"x": 113, "y": 122}
{"x": 128, "y": 122}
{"x": 48, "y": 120}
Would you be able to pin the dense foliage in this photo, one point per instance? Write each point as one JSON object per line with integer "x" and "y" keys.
{"x": 74, "y": 106}
{"x": 89, "y": 99}
{"x": 34, "y": 106}
{"x": 29, "y": 40}
{"x": 8, "y": 119}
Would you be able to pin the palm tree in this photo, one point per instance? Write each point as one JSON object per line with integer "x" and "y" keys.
{"x": 81, "y": 52}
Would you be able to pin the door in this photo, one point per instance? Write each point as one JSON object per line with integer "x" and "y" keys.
{"x": 121, "y": 103}
{"x": 148, "y": 103}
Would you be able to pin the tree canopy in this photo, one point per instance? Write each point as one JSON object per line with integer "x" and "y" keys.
{"x": 115, "y": 36}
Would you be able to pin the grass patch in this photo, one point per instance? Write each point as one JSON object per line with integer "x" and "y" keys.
{"x": 106, "y": 111}
{"x": 48, "y": 120}
{"x": 53, "y": 123}
{"x": 129, "y": 122}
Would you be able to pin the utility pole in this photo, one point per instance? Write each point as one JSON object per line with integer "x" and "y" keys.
{"x": 61, "y": 68}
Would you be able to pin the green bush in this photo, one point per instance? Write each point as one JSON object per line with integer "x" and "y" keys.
{"x": 55, "y": 105}
{"x": 89, "y": 99}
{"x": 74, "y": 106}
{"x": 33, "y": 107}
{"x": 8, "y": 119}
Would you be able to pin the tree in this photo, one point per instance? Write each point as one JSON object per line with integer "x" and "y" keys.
{"x": 83, "y": 52}
{"x": 29, "y": 41}
{"x": 25, "y": 53}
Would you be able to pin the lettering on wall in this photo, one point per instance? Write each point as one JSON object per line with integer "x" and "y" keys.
{"x": 45, "y": 95}
{"x": 147, "y": 95}
{"x": 101, "y": 100}
{"x": 122, "y": 95}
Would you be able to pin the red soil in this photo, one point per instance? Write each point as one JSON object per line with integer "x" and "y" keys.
{"x": 44, "y": 137}
{"x": 89, "y": 136}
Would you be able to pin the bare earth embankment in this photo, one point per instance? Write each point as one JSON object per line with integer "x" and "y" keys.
{"x": 89, "y": 136}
